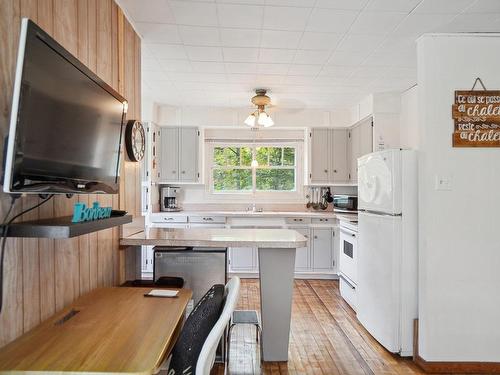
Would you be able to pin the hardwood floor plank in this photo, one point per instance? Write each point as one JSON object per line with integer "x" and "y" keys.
{"x": 326, "y": 338}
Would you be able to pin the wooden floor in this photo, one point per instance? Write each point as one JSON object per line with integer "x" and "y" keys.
{"x": 326, "y": 337}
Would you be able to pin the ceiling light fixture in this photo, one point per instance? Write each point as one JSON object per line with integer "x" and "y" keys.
{"x": 260, "y": 118}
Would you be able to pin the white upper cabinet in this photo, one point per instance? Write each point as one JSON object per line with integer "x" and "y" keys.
{"x": 360, "y": 142}
{"x": 178, "y": 155}
{"x": 328, "y": 156}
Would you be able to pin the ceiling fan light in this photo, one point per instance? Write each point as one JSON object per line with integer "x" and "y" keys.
{"x": 250, "y": 120}
{"x": 268, "y": 122}
{"x": 262, "y": 118}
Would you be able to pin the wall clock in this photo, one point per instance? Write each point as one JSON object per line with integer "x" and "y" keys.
{"x": 135, "y": 140}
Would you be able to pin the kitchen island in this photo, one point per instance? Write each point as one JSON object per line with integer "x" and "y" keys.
{"x": 276, "y": 270}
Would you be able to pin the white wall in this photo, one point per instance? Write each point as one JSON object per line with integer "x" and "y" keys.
{"x": 409, "y": 118}
{"x": 459, "y": 242}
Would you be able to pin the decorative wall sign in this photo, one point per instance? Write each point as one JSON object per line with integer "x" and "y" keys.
{"x": 477, "y": 118}
{"x": 83, "y": 213}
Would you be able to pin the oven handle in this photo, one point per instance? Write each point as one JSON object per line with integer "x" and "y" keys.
{"x": 348, "y": 282}
{"x": 348, "y": 232}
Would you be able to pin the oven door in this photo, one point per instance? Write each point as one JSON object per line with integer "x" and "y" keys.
{"x": 348, "y": 254}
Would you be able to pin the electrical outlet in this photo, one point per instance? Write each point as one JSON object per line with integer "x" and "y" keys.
{"x": 443, "y": 183}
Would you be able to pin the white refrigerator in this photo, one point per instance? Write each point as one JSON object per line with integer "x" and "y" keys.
{"x": 387, "y": 249}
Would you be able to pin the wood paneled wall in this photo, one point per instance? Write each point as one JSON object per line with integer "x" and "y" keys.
{"x": 41, "y": 276}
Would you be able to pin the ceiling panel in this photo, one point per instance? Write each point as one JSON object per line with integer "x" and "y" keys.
{"x": 309, "y": 53}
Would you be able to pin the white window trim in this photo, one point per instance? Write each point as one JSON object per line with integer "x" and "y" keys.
{"x": 297, "y": 194}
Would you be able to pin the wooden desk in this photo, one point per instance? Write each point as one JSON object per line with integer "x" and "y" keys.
{"x": 115, "y": 330}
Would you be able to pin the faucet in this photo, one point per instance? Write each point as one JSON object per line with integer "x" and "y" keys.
{"x": 253, "y": 208}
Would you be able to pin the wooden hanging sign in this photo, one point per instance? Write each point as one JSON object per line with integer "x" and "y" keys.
{"x": 476, "y": 114}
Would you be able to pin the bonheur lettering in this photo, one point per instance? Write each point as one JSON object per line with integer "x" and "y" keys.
{"x": 489, "y": 110}
{"x": 82, "y": 213}
{"x": 482, "y": 136}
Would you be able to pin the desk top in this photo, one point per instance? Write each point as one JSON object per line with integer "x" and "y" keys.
{"x": 217, "y": 237}
{"x": 113, "y": 330}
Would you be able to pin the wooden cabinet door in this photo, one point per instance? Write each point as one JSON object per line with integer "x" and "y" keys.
{"x": 302, "y": 253}
{"x": 320, "y": 155}
{"x": 189, "y": 154}
{"x": 365, "y": 137}
{"x": 169, "y": 154}
{"x": 353, "y": 154}
{"x": 339, "y": 168}
{"x": 322, "y": 249}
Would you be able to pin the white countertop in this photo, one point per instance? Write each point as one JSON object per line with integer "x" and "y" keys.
{"x": 310, "y": 214}
{"x": 223, "y": 237}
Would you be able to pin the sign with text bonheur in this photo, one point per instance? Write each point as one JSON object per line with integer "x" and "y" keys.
{"x": 477, "y": 119}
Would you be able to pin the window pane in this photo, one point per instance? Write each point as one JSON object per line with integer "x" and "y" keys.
{"x": 275, "y": 179}
{"x": 274, "y": 155}
{"x": 219, "y": 156}
{"x": 262, "y": 154}
{"x": 246, "y": 156}
{"x": 232, "y": 156}
{"x": 232, "y": 179}
{"x": 288, "y": 156}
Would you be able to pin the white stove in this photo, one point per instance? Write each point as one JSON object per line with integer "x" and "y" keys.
{"x": 348, "y": 262}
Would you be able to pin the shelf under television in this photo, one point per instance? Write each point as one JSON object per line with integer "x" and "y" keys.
{"x": 62, "y": 227}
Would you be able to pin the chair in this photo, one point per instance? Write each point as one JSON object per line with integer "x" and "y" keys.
{"x": 206, "y": 358}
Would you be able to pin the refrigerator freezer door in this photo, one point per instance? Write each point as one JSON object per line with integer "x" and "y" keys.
{"x": 379, "y": 182}
{"x": 379, "y": 266}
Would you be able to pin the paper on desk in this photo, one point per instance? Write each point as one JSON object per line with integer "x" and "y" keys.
{"x": 162, "y": 293}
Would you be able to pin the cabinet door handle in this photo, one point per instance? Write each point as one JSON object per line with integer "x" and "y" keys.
{"x": 208, "y": 218}
{"x": 183, "y": 172}
{"x": 334, "y": 171}
{"x": 326, "y": 170}
{"x": 315, "y": 237}
{"x": 174, "y": 172}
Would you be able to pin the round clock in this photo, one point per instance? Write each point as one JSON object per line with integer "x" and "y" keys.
{"x": 135, "y": 140}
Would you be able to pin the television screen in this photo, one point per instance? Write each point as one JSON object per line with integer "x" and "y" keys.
{"x": 66, "y": 124}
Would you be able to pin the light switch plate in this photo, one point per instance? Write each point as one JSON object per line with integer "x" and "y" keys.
{"x": 443, "y": 183}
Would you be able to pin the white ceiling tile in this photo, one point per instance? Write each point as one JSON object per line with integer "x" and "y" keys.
{"x": 325, "y": 41}
{"x": 242, "y": 16}
{"x": 193, "y": 13}
{"x": 342, "y": 4}
{"x": 371, "y": 71}
{"x": 175, "y": 65}
{"x": 240, "y": 37}
{"x": 167, "y": 51}
{"x": 331, "y": 20}
{"x": 443, "y": 6}
{"x": 241, "y": 78}
{"x": 280, "y": 39}
{"x": 392, "y": 5}
{"x": 360, "y": 42}
{"x": 304, "y": 70}
{"x": 274, "y": 55}
{"x": 417, "y": 24}
{"x": 472, "y": 22}
{"x": 269, "y": 79}
{"x": 241, "y": 68}
{"x": 200, "y": 53}
{"x": 158, "y": 32}
{"x": 484, "y": 6}
{"x": 292, "y": 3}
{"x": 273, "y": 68}
{"x": 232, "y": 54}
{"x": 199, "y": 36}
{"x": 348, "y": 58}
{"x": 208, "y": 67}
{"x": 285, "y": 18}
{"x": 248, "y": 2}
{"x": 299, "y": 80}
{"x": 311, "y": 57}
{"x": 337, "y": 70}
{"x": 150, "y": 64}
{"x": 156, "y": 11}
{"x": 370, "y": 23}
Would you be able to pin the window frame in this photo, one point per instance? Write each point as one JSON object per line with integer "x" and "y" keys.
{"x": 297, "y": 167}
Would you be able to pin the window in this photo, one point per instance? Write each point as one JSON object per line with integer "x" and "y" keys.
{"x": 232, "y": 169}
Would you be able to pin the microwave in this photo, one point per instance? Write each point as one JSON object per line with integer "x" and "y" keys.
{"x": 345, "y": 203}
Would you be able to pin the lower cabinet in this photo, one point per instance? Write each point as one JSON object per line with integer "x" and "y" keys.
{"x": 147, "y": 259}
{"x": 243, "y": 259}
{"x": 303, "y": 254}
{"x": 322, "y": 245}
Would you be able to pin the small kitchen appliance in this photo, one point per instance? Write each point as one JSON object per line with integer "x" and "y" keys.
{"x": 345, "y": 203}
{"x": 168, "y": 199}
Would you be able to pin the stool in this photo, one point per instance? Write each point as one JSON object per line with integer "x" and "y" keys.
{"x": 244, "y": 317}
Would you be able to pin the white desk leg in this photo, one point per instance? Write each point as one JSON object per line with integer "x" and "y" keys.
{"x": 276, "y": 268}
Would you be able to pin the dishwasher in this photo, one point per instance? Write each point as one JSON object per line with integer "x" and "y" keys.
{"x": 199, "y": 267}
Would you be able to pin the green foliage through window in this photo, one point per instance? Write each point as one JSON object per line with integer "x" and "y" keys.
{"x": 232, "y": 170}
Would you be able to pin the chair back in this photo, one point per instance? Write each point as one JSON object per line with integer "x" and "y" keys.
{"x": 206, "y": 358}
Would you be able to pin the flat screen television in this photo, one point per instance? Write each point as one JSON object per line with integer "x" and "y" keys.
{"x": 66, "y": 123}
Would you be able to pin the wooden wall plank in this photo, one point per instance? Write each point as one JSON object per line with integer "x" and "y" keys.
{"x": 46, "y": 245}
{"x": 44, "y": 275}
{"x": 11, "y": 317}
